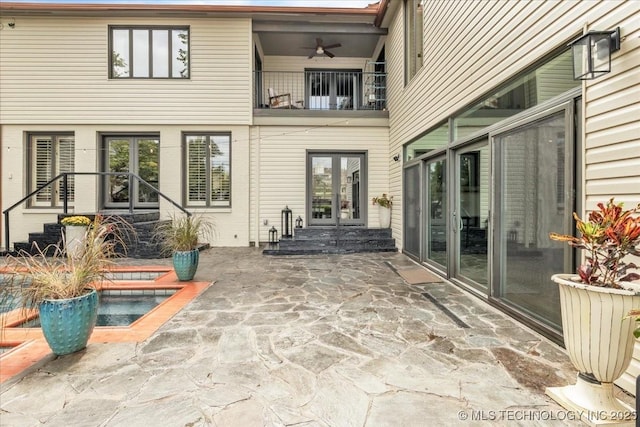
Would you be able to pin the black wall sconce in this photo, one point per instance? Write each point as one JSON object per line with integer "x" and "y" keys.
{"x": 286, "y": 222}
{"x": 592, "y": 53}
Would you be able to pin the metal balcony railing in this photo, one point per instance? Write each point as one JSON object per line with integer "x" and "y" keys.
{"x": 320, "y": 90}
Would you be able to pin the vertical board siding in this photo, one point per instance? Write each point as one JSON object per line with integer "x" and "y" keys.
{"x": 56, "y": 70}
{"x": 281, "y": 172}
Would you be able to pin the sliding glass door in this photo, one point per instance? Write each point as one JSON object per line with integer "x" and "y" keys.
{"x": 470, "y": 217}
{"x": 534, "y": 196}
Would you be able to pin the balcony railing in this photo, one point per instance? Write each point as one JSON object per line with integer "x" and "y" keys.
{"x": 320, "y": 90}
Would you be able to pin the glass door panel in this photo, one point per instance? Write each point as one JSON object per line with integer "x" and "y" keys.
{"x": 436, "y": 211}
{"x": 321, "y": 189}
{"x": 336, "y": 189}
{"x": 412, "y": 210}
{"x": 147, "y": 155}
{"x": 119, "y": 160}
{"x": 471, "y": 217}
{"x": 350, "y": 208}
{"x": 532, "y": 201}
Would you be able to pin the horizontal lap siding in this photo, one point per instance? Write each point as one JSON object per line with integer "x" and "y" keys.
{"x": 279, "y": 166}
{"x": 489, "y": 42}
{"x": 55, "y": 70}
{"x": 612, "y": 117}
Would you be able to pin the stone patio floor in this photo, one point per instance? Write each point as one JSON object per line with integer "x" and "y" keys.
{"x": 323, "y": 340}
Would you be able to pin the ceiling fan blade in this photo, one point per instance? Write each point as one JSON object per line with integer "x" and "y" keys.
{"x": 332, "y": 46}
{"x": 329, "y": 54}
{"x": 311, "y": 56}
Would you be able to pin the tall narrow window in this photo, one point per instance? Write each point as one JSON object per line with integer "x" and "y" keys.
{"x": 140, "y": 52}
{"x": 413, "y": 10}
{"x": 208, "y": 168}
{"x": 49, "y": 156}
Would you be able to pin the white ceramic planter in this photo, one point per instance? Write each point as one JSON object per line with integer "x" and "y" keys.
{"x": 384, "y": 216}
{"x": 74, "y": 240}
{"x": 599, "y": 340}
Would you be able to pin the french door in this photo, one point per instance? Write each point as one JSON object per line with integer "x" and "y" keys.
{"x": 336, "y": 188}
{"x": 136, "y": 154}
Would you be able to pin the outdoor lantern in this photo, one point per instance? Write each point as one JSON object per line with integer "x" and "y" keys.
{"x": 273, "y": 236}
{"x": 286, "y": 222}
{"x": 592, "y": 53}
{"x": 299, "y": 222}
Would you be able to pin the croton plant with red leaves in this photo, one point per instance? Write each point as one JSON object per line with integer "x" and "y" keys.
{"x": 608, "y": 236}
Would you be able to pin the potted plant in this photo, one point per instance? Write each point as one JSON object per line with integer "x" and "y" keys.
{"x": 179, "y": 237}
{"x": 75, "y": 230}
{"x": 595, "y": 304}
{"x": 384, "y": 209}
{"x": 63, "y": 287}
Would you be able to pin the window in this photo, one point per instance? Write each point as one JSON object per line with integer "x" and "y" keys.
{"x": 413, "y": 37}
{"x": 208, "y": 166}
{"x": 159, "y": 52}
{"x": 50, "y": 155}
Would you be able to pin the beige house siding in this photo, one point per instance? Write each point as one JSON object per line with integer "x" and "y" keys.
{"x": 279, "y": 167}
{"x": 55, "y": 70}
{"x": 232, "y": 224}
{"x": 499, "y": 39}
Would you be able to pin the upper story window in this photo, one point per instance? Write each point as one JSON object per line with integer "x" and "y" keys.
{"x": 413, "y": 34}
{"x": 149, "y": 53}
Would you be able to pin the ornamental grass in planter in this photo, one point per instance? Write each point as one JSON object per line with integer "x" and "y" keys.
{"x": 595, "y": 302}
{"x": 179, "y": 238}
{"x": 63, "y": 287}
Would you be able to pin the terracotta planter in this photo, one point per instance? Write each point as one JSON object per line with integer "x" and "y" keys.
{"x": 600, "y": 342}
{"x": 384, "y": 216}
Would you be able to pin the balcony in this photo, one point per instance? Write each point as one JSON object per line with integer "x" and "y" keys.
{"x": 321, "y": 92}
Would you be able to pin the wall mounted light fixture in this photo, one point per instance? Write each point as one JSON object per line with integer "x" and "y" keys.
{"x": 592, "y": 53}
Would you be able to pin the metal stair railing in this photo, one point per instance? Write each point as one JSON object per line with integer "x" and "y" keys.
{"x": 65, "y": 192}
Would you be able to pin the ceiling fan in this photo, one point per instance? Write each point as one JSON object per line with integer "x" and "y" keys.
{"x": 319, "y": 49}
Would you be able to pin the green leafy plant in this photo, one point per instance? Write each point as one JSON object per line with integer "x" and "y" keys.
{"x": 608, "y": 236}
{"x": 635, "y": 313}
{"x": 384, "y": 200}
{"x": 33, "y": 278}
{"x": 182, "y": 233}
{"x": 78, "y": 220}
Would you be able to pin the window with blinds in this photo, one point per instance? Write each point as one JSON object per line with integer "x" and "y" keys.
{"x": 49, "y": 156}
{"x": 208, "y": 180}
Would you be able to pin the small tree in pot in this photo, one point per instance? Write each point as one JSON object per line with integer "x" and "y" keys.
{"x": 179, "y": 238}
{"x": 595, "y": 303}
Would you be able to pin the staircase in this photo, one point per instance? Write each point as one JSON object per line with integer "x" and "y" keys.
{"x": 334, "y": 240}
{"x": 139, "y": 240}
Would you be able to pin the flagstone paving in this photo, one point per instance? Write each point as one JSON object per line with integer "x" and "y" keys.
{"x": 323, "y": 340}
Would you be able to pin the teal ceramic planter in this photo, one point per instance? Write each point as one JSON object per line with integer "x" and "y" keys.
{"x": 67, "y": 324}
{"x": 185, "y": 264}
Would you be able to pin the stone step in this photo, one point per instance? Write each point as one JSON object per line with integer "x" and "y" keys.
{"x": 334, "y": 240}
{"x": 275, "y": 250}
{"x": 140, "y": 238}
